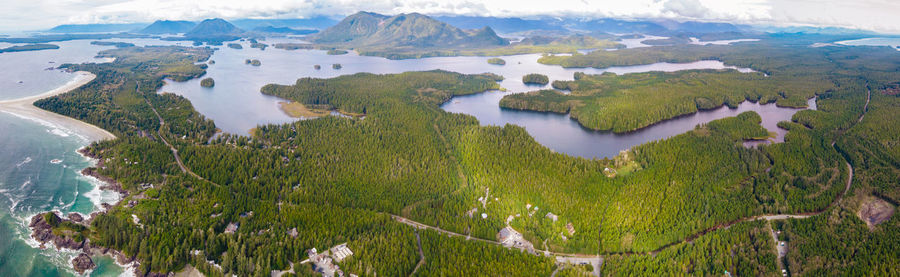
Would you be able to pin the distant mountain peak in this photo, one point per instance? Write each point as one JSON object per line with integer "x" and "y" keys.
{"x": 169, "y": 27}
{"x": 369, "y": 29}
{"x": 214, "y": 28}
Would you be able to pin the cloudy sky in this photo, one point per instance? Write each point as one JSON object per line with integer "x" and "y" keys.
{"x": 876, "y": 15}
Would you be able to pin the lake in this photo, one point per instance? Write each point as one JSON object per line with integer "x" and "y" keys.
{"x": 236, "y": 105}
{"x": 893, "y": 42}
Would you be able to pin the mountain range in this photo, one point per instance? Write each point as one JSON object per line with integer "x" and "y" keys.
{"x": 366, "y": 29}
{"x": 96, "y": 28}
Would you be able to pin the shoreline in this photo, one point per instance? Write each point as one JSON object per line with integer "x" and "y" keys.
{"x": 24, "y": 107}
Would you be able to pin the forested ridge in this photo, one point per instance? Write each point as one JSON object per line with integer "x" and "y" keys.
{"x": 331, "y": 180}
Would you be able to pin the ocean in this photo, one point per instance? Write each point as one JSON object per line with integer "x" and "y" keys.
{"x": 30, "y": 180}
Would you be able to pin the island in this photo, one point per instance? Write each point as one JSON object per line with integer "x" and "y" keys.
{"x": 317, "y": 67}
{"x": 497, "y": 61}
{"x": 253, "y": 62}
{"x": 207, "y": 82}
{"x": 336, "y": 66}
{"x": 293, "y": 46}
{"x": 117, "y": 44}
{"x": 535, "y": 79}
{"x": 336, "y": 52}
{"x": 29, "y": 47}
{"x": 235, "y": 46}
{"x": 258, "y": 45}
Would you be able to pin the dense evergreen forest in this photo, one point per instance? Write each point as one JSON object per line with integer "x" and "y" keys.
{"x": 249, "y": 205}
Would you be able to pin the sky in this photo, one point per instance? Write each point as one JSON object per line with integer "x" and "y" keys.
{"x": 873, "y": 15}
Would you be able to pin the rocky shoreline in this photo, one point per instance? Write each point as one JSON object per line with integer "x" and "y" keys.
{"x": 42, "y": 230}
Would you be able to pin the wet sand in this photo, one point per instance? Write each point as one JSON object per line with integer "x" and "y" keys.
{"x": 24, "y": 107}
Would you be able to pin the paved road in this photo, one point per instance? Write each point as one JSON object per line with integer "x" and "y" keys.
{"x": 163, "y": 138}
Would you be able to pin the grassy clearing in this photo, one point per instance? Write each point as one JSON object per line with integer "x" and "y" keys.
{"x": 299, "y": 110}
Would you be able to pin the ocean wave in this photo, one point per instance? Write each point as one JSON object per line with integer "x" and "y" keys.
{"x": 58, "y": 132}
{"x": 99, "y": 196}
{"x": 27, "y": 160}
{"x": 25, "y": 184}
{"x": 52, "y": 128}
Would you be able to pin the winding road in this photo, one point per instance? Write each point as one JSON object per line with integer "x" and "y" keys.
{"x": 172, "y": 148}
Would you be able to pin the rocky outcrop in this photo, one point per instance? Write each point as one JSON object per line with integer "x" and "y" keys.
{"x": 83, "y": 263}
{"x": 43, "y": 232}
{"x": 109, "y": 183}
{"x": 76, "y": 217}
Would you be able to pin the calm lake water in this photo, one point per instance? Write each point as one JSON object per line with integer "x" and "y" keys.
{"x": 892, "y": 42}
{"x": 236, "y": 105}
{"x": 30, "y": 183}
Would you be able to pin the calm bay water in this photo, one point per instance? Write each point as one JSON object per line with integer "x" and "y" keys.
{"x": 236, "y": 105}
{"x": 31, "y": 68}
{"x": 890, "y": 42}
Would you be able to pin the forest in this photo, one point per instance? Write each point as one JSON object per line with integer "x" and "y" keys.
{"x": 249, "y": 205}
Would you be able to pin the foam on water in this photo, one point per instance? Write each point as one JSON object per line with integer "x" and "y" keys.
{"x": 52, "y": 128}
{"x": 27, "y": 160}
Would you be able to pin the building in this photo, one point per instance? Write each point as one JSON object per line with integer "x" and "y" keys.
{"x": 340, "y": 252}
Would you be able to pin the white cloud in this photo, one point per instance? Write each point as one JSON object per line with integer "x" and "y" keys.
{"x": 866, "y": 14}
{"x": 686, "y": 8}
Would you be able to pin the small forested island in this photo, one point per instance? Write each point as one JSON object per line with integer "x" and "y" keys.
{"x": 497, "y": 61}
{"x": 258, "y": 45}
{"x": 207, "y": 82}
{"x": 117, "y": 44}
{"x": 29, "y": 47}
{"x": 336, "y": 66}
{"x": 293, "y": 46}
{"x": 235, "y": 46}
{"x": 336, "y": 52}
{"x": 253, "y": 62}
{"x": 536, "y": 79}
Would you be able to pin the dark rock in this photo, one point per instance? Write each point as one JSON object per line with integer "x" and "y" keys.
{"x": 76, "y": 217}
{"x": 43, "y": 232}
{"x": 83, "y": 263}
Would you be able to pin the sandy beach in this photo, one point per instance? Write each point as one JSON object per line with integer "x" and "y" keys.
{"x": 24, "y": 107}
